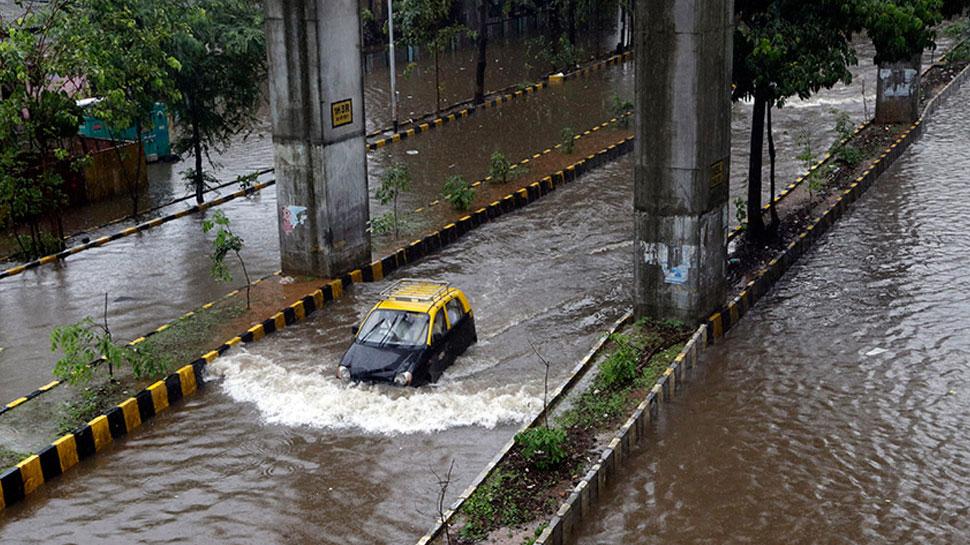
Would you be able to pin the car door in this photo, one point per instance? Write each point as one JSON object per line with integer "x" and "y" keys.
{"x": 441, "y": 356}
{"x": 461, "y": 328}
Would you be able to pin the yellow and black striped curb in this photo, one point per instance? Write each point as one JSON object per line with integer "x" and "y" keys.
{"x": 136, "y": 229}
{"x": 64, "y": 453}
{"x": 161, "y": 206}
{"x": 734, "y": 233}
{"x": 53, "y": 384}
{"x": 927, "y": 110}
{"x": 562, "y": 527}
{"x": 465, "y": 112}
{"x": 556, "y": 396}
{"x": 729, "y": 315}
{"x": 524, "y": 163}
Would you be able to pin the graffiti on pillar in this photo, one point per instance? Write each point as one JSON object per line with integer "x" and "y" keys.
{"x": 293, "y": 216}
{"x": 674, "y": 260}
{"x": 898, "y": 83}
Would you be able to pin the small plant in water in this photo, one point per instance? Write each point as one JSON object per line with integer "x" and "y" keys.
{"x": 226, "y": 241}
{"x": 741, "y": 212}
{"x": 567, "y": 139}
{"x": 397, "y": 180}
{"x": 499, "y": 167}
{"x": 619, "y": 108}
{"x": 87, "y": 344}
{"x": 459, "y": 193}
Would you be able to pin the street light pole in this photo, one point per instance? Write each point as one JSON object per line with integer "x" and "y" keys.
{"x": 390, "y": 33}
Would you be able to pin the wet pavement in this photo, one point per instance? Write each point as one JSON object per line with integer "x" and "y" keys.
{"x": 836, "y": 411}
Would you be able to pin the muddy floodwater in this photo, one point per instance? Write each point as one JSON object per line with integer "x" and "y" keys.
{"x": 838, "y": 410}
{"x": 276, "y": 450}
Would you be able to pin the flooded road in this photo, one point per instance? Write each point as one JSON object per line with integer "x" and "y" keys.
{"x": 837, "y": 410}
{"x": 276, "y": 450}
{"x": 165, "y": 270}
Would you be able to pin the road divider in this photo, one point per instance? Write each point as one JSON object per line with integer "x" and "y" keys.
{"x": 22, "y": 479}
{"x": 606, "y": 471}
{"x": 53, "y": 384}
{"x": 506, "y": 97}
{"x": 141, "y": 227}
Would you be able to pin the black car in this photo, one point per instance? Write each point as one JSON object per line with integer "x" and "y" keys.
{"x": 411, "y": 336}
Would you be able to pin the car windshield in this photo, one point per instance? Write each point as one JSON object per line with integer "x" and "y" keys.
{"x": 394, "y": 328}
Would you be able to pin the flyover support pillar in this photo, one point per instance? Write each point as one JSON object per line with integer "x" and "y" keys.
{"x": 319, "y": 148}
{"x": 683, "y": 146}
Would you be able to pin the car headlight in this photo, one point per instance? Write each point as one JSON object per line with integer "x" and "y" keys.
{"x": 402, "y": 379}
{"x": 343, "y": 373}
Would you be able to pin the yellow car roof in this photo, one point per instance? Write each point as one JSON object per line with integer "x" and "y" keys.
{"x": 415, "y": 295}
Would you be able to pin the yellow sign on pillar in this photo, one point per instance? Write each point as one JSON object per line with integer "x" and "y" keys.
{"x": 341, "y": 113}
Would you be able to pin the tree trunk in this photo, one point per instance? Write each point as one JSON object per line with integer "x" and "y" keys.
{"x": 197, "y": 146}
{"x": 756, "y": 225}
{"x": 571, "y": 15}
{"x": 482, "y": 45}
{"x": 771, "y": 176}
{"x": 135, "y": 187}
{"x": 437, "y": 84}
{"x": 621, "y": 44}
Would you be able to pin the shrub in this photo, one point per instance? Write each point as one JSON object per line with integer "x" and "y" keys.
{"x": 619, "y": 367}
{"x": 543, "y": 446}
{"x": 499, "y": 167}
{"x": 619, "y": 109}
{"x": 31, "y": 247}
{"x": 459, "y": 193}
{"x": 567, "y": 139}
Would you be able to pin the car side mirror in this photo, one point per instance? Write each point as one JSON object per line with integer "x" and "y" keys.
{"x": 354, "y": 330}
{"x": 436, "y": 337}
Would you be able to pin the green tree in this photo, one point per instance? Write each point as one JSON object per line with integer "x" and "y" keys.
{"x": 226, "y": 241}
{"x": 221, "y": 66}
{"x": 784, "y": 49}
{"x": 38, "y": 118}
{"x": 431, "y": 24}
{"x": 397, "y": 180}
{"x": 119, "y": 46}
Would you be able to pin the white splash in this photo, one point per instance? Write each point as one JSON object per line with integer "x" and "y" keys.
{"x": 317, "y": 399}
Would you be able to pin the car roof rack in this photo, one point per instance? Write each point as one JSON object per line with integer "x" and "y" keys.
{"x": 416, "y": 291}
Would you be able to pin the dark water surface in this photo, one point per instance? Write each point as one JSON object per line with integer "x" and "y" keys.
{"x": 838, "y": 410}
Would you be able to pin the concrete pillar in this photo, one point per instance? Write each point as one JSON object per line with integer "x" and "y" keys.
{"x": 316, "y": 100}
{"x": 682, "y": 151}
{"x": 897, "y": 91}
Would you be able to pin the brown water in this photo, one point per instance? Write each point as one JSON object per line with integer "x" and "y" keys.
{"x": 837, "y": 410}
{"x": 276, "y": 450}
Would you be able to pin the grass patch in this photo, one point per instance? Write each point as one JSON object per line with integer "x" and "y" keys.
{"x": 530, "y": 480}
{"x": 10, "y": 457}
{"x": 87, "y": 404}
{"x": 177, "y": 345}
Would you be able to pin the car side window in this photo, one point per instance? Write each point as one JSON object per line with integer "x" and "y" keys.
{"x": 439, "y": 325}
{"x": 455, "y": 311}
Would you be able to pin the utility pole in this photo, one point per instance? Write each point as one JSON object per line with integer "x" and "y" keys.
{"x": 682, "y": 150}
{"x": 390, "y": 37}
{"x": 317, "y": 107}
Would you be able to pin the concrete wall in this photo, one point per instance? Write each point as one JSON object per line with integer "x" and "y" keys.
{"x": 897, "y": 91}
{"x": 683, "y": 149}
{"x": 317, "y": 108}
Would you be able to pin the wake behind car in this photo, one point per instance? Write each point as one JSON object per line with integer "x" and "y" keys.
{"x": 416, "y": 330}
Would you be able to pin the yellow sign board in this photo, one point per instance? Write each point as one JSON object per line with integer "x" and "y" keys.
{"x": 341, "y": 113}
{"x": 717, "y": 174}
